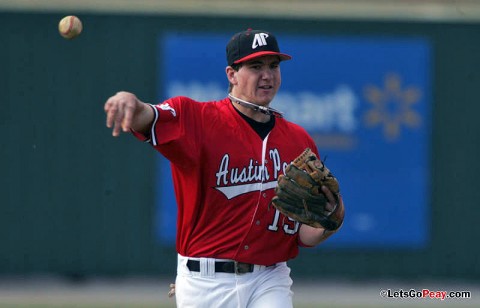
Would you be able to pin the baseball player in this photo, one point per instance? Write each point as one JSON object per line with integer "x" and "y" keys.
{"x": 226, "y": 157}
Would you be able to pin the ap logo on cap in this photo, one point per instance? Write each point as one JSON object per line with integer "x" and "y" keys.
{"x": 260, "y": 39}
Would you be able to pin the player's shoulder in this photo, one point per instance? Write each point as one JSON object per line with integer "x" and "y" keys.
{"x": 181, "y": 100}
{"x": 189, "y": 107}
{"x": 190, "y": 102}
{"x": 291, "y": 126}
{"x": 297, "y": 132}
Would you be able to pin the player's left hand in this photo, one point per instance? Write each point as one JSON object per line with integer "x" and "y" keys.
{"x": 331, "y": 200}
{"x": 309, "y": 193}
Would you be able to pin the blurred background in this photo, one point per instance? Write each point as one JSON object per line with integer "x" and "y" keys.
{"x": 85, "y": 216}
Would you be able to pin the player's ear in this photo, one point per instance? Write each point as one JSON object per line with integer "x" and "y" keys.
{"x": 231, "y": 75}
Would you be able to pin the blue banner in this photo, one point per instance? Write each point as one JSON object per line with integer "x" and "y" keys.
{"x": 367, "y": 103}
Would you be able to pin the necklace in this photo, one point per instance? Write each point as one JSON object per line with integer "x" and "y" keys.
{"x": 262, "y": 109}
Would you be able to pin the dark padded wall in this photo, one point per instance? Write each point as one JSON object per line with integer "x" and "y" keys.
{"x": 76, "y": 201}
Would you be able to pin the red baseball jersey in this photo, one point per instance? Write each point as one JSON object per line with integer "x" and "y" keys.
{"x": 224, "y": 176}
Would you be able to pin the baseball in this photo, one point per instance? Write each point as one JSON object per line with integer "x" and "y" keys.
{"x": 70, "y": 27}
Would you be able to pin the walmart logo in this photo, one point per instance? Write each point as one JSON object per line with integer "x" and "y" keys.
{"x": 392, "y": 107}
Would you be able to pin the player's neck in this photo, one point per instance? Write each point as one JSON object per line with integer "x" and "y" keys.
{"x": 255, "y": 115}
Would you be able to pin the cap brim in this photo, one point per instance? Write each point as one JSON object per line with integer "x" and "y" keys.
{"x": 282, "y": 56}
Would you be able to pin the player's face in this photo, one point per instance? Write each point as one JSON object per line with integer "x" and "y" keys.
{"x": 258, "y": 80}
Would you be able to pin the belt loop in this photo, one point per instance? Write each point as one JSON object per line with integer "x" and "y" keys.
{"x": 235, "y": 267}
{"x": 203, "y": 267}
{"x": 207, "y": 267}
{"x": 210, "y": 267}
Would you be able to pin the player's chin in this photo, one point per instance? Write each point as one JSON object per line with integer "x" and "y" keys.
{"x": 264, "y": 97}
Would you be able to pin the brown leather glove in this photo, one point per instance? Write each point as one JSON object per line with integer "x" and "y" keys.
{"x": 299, "y": 193}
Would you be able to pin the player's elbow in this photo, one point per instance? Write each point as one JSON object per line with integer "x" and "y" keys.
{"x": 310, "y": 236}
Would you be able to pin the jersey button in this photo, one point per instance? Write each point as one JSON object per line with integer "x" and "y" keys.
{"x": 246, "y": 247}
{"x": 264, "y": 195}
{"x": 258, "y": 222}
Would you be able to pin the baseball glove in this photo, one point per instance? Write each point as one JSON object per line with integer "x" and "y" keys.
{"x": 299, "y": 193}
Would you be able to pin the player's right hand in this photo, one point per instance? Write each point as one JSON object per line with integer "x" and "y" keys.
{"x": 121, "y": 110}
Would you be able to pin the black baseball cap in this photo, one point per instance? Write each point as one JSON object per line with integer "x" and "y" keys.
{"x": 250, "y": 44}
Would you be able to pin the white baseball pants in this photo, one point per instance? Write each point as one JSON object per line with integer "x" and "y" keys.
{"x": 265, "y": 287}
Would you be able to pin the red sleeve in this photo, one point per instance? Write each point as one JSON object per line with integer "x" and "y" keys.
{"x": 174, "y": 131}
